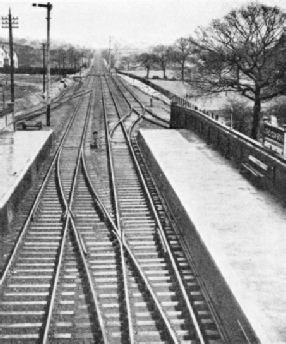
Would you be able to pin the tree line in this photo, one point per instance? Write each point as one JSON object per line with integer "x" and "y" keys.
{"x": 63, "y": 56}
{"x": 244, "y": 52}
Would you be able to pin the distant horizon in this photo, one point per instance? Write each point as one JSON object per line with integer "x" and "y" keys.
{"x": 90, "y": 23}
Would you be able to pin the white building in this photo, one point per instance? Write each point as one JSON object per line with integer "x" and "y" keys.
{"x": 5, "y": 57}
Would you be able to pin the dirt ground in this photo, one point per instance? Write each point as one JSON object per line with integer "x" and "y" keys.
{"x": 28, "y": 90}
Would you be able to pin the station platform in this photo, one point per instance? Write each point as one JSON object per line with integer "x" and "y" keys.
{"x": 235, "y": 232}
{"x": 21, "y": 154}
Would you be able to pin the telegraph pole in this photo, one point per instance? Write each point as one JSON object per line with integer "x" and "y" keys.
{"x": 10, "y": 23}
{"x": 80, "y": 65}
{"x": 44, "y": 70}
{"x": 109, "y": 56}
{"x": 49, "y": 7}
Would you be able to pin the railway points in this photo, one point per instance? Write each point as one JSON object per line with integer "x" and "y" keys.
{"x": 99, "y": 257}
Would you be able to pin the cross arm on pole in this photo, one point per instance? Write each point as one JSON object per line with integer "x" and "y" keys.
{"x": 47, "y": 5}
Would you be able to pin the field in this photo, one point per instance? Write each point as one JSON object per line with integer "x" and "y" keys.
{"x": 28, "y": 90}
{"x": 158, "y": 73}
{"x": 182, "y": 89}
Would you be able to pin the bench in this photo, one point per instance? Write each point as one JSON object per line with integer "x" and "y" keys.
{"x": 32, "y": 125}
{"x": 256, "y": 168}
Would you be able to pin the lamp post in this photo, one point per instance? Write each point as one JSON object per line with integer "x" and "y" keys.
{"x": 49, "y": 7}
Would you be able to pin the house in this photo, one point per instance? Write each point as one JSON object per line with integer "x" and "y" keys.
{"x": 5, "y": 57}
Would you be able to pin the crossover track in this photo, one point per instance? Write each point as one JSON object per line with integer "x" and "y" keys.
{"x": 63, "y": 98}
{"x": 133, "y": 102}
{"x": 99, "y": 259}
{"x": 167, "y": 305}
{"x": 46, "y": 289}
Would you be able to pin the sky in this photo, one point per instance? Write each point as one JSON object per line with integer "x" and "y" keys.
{"x": 90, "y": 23}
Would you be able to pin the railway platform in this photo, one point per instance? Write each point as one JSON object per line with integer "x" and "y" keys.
{"x": 21, "y": 154}
{"x": 236, "y": 233}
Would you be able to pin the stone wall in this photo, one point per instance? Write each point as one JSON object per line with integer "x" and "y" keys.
{"x": 9, "y": 210}
{"x": 233, "y": 145}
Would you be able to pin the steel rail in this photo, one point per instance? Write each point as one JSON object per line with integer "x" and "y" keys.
{"x": 129, "y": 91}
{"x": 126, "y": 135}
{"x": 95, "y": 297}
{"x": 118, "y": 224}
{"x": 30, "y": 218}
{"x": 142, "y": 106}
{"x": 163, "y": 238}
{"x": 138, "y": 101}
{"x": 191, "y": 260}
{"x": 80, "y": 244}
{"x": 56, "y": 103}
{"x": 76, "y": 172}
{"x": 156, "y": 123}
{"x": 36, "y": 202}
{"x": 166, "y": 244}
{"x": 116, "y": 231}
{"x": 157, "y": 117}
{"x": 144, "y": 109}
{"x": 168, "y": 325}
{"x": 133, "y": 259}
{"x": 66, "y": 218}
{"x": 42, "y": 109}
{"x": 121, "y": 120}
{"x": 47, "y": 324}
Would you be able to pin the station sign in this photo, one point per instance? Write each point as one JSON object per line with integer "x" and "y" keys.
{"x": 274, "y": 138}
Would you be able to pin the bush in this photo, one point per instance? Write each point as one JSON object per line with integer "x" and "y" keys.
{"x": 277, "y": 108}
{"x": 238, "y": 114}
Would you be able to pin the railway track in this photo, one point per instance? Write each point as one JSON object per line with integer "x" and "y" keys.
{"x": 134, "y": 102}
{"x": 99, "y": 259}
{"x": 65, "y": 96}
{"x": 179, "y": 312}
{"x": 60, "y": 119}
{"x": 36, "y": 292}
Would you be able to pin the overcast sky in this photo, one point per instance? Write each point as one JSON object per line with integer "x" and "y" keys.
{"x": 91, "y": 22}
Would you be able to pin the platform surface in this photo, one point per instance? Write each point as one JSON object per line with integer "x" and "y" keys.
{"x": 17, "y": 151}
{"x": 243, "y": 228}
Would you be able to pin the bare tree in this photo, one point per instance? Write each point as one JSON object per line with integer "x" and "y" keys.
{"x": 183, "y": 48}
{"x": 244, "y": 52}
{"x": 163, "y": 54}
{"x": 147, "y": 60}
{"x": 127, "y": 60}
{"x": 72, "y": 57}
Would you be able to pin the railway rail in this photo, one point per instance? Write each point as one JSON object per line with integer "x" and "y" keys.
{"x": 183, "y": 313}
{"x": 39, "y": 268}
{"x": 60, "y": 118}
{"x": 65, "y": 96}
{"x": 99, "y": 258}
